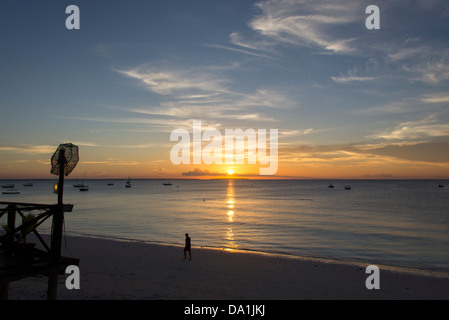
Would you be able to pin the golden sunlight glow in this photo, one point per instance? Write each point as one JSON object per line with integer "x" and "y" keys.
{"x": 230, "y": 172}
{"x": 230, "y": 201}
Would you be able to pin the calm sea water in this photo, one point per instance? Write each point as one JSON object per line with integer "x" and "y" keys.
{"x": 396, "y": 222}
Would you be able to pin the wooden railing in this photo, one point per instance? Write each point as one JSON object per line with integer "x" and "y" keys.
{"x": 42, "y": 262}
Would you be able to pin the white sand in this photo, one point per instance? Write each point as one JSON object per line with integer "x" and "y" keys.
{"x": 134, "y": 270}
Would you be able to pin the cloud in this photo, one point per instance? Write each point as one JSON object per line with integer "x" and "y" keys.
{"x": 198, "y": 173}
{"x": 337, "y": 27}
{"x": 30, "y": 149}
{"x": 306, "y": 23}
{"x": 395, "y": 107}
{"x": 113, "y": 162}
{"x": 406, "y": 53}
{"x": 237, "y": 39}
{"x": 428, "y": 127}
{"x": 409, "y": 104}
{"x": 347, "y": 79}
{"x": 158, "y": 125}
{"x": 298, "y": 132}
{"x": 423, "y": 152}
{"x": 202, "y": 94}
{"x": 411, "y": 130}
{"x": 365, "y": 154}
{"x": 248, "y": 52}
{"x": 436, "y": 98}
{"x": 137, "y": 146}
{"x": 265, "y": 98}
{"x": 433, "y": 71}
{"x": 169, "y": 81}
{"x": 353, "y": 76}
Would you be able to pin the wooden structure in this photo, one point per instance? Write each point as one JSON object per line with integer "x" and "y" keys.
{"x": 17, "y": 260}
{"x": 46, "y": 261}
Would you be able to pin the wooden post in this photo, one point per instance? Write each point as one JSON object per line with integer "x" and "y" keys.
{"x": 58, "y": 217}
{"x": 11, "y": 223}
{"x": 56, "y": 237}
{"x": 11, "y": 217}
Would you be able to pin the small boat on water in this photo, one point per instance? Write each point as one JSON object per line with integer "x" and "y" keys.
{"x": 84, "y": 188}
{"x": 8, "y": 186}
{"x": 11, "y": 191}
{"x": 110, "y": 184}
{"x": 330, "y": 185}
{"x": 167, "y": 184}
{"x": 128, "y": 183}
{"x": 78, "y": 185}
{"x": 441, "y": 186}
{"x": 348, "y": 187}
{"x": 28, "y": 184}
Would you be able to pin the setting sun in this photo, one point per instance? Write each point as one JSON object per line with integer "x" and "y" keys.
{"x": 230, "y": 171}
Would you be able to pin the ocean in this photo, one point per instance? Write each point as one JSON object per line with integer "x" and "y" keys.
{"x": 387, "y": 222}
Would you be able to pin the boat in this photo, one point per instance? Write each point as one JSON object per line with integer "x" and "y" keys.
{"x": 79, "y": 185}
{"x": 348, "y": 187}
{"x": 167, "y": 184}
{"x": 28, "y": 184}
{"x": 110, "y": 184}
{"x": 441, "y": 186}
{"x": 128, "y": 183}
{"x": 8, "y": 186}
{"x": 330, "y": 186}
{"x": 84, "y": 188}
{"x": 11, "y": 191}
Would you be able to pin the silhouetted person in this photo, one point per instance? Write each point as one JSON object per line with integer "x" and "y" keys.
{"x": 187, "y": 247}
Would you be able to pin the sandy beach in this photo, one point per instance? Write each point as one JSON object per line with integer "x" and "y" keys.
{"x": 127, "y": 270}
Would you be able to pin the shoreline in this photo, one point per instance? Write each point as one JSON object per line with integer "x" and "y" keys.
{"x": 395, "y": 268}
{"x": 135, "y": 270}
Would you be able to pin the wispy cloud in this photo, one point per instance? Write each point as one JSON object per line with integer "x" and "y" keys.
{"x": 112, "y": 162}
{"x": 248, "y": 52}
{"x": 351, "y": 78}
{"x": 432, "y": 71}
{"x": 431, "y": 126}
{"x": 337, "y": 27}
{"x": 285, "y": 133}
{"x": 201, "y": 94}
{"x": 174, "y": 81}
{"x": 307, "y": 23}
{"x": 30, "y": 149}
{"x": 411, "y": 104}
{"x": 436, "y": 98}
{"x": 367, "y": 155}
{"x": 395, "y": 107}
{"x": 199, "y": 173}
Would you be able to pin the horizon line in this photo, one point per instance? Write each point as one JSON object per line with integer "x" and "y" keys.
{"x": 242, "y": 178}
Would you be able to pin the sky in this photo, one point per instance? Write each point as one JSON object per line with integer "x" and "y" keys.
{"x": 347, "y": 101}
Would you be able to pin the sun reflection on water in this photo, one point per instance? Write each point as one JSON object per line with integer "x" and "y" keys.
{"x": 230, "y": 214}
